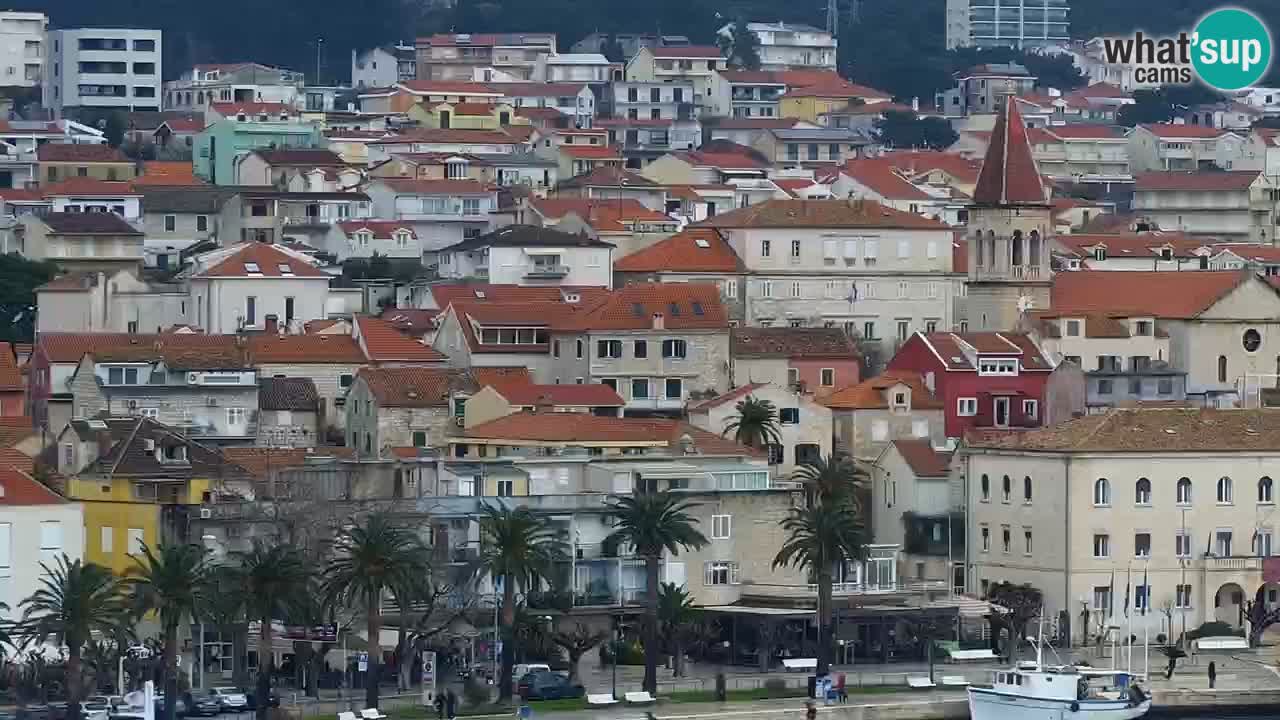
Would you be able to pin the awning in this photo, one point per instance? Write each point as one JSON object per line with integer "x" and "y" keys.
{"x": 1003, "y": 393}
{"x": 759, "y": 611}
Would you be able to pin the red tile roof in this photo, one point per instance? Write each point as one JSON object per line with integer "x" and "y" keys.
{"x": 591, "y": 152}
{"x": 687, "y": 51}
{"x": 270, "y": 260}
{"x": 159, "y": 172}
{"x": 446, "y": 293}
{"x": 958, "y": 351}
{"x": 1101, "y": 90}
{"x": 1009, "y": 174}
{"x": 627, "y": 209}
{"x": 538, "y": 89}
{"x": 692, "y": 250}
{"x": 596, "y": 395}
{"x": 19, "y": 488}
{"x": 1220, "y": 180}
{"x": 731, "y": 396}
{"x": 382, "y": 342}
{"x": 1177, "y": 295}
{"x": 918, "y": 162}
{"x": 412, "y": 387}
{"x": 334, "y": 349}
{"x": 381, "y": 229}
{"x": 61, "y": 347}
{"x": 821, "y": 214}
{"x": 304, "y": 157}
{"x": 410, "y": 320}
{"x": 539, "y": 113}
{"x": 683, "y": 306}
{"x": 1254, "y": 253}
{"x": 262, "y": 462}
{"x": 1146, "y": 244}
{"x": 792, "y": 343}
{"x": 882, "y": 178}
{"x": 1175, "y": 131}
{"x": 22, "y": 195}
{"x": 86, "y": 186}
{"x": 501, "y": 377}
{"x": 184, "y": 125}
{"x": 67, "y": 152}
{"x": 870, "y": 394}
{"x": 720, "y": 160}
{"x": 923, "y": 460}
{"x": 10, "y": 375}
{"x": 448, "y": 136}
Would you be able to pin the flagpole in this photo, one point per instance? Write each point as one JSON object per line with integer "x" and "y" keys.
{"x": 1128, "y": 619}
{"x": 1146, "y": 624}
{"x": 1111, "y": 618}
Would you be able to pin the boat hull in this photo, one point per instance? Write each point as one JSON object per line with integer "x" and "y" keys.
{"x": 987, "y": 704}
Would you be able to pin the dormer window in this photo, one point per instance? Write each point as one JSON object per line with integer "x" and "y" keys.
{"x": 402, "y": 238}
{"x": 899, "y": 399}
{"x": 1166, "y": 253}
{"x": 1144, "y": 328}
{"x": 171, "y": 454}
{"x": 998, "y": 366}
{"x": 241, "y": 117}
{"x": 1100, "y": 253}
{"x": 1072, "y": 328}
{"x": 363, "y": 237}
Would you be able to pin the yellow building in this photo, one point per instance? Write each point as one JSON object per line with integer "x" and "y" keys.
{"x": 130, "y": 474}
{"x": 465, "y": 115}
{"x": 808, "y": 103}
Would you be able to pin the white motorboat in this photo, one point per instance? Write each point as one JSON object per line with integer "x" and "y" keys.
{"x": 1032, "y": 691}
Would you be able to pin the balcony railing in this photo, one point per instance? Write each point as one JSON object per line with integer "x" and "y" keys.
{"x": 1016, "y": 272}
{"x": 546, "y": 271}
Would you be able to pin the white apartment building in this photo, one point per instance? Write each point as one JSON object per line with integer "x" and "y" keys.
{"x": 23, "y": 46}
{"x": 1082, "y": 153}
{"x": 1085, "y": 508}
{"x": 699, "y": 65}
{"x": 1234, "y": 205}
{"x": 94, "y": 68}
{"x": 572, "y": 68}
{"x": 529, "y": 255}
{"x": 381, "y": 67}
{"x": 879, "y": 273}
{"x": 204, "y": 85}
{"x": 31, "y": 513}
{"x": 791, "y": 46}
{"x": 1166, "y": 146}
{"x": 1009, "y": 23}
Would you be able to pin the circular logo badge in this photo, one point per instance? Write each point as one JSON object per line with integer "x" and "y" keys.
{"x": 1231, "y": 49}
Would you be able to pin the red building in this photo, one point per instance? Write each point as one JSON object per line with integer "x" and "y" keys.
{"x": 984, "y": 379}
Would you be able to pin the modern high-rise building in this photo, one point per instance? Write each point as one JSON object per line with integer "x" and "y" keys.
{"x": 1012, "y": 23}
{"x": 23, "y": 39}
{"x": 99, "y": 68}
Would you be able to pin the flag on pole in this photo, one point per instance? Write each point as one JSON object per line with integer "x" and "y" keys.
{"x": 1146, "y": 592}
{"x": 1111, "y": 596}
{"x": 1128, "y": 581}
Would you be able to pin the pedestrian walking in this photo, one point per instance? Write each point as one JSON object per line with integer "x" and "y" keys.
{"x": 1213, "y": 675}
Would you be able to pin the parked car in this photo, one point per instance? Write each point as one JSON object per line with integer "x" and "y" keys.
{"x": 546, "y": 685}
{"x": 232, "y": 699}
{"x": 522, "y": 669}
{"x": 202, "y": 705}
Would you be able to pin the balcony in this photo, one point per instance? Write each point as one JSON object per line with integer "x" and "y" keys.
{"x": 298, "y": 220}
{"x": 547, "y": 270}
{"x": 1017, "y": 272}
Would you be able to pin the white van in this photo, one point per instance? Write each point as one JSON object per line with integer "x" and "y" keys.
{"x": 523, "y": 669}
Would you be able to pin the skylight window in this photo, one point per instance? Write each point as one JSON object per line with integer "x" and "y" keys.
{"x": 702, "y": 243}
{"x": 252, "y": 268}
{"x": 697, "y": 308}
{"x": 480, "y": 294}
{"x": 285, "y": 269}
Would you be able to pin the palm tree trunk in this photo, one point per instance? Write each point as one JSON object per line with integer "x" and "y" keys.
{"x": 74, "y": 681}
{"x": 651, "y": 623}
{"x": 170, "y": 669}
{"x": 508, "y": 637}
{"x": 373, "y": 614}
{"x": 824, "y": 622}
{"x": 262, "y": 692}
{"x": 239, "y": 633}
{"x": 403, "y": 654}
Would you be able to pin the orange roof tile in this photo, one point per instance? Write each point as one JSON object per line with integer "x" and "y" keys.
{"x": 261, "y": 462}
{"x": 19, "y": 488}
{"x": 683, "y": 306}
{"x": 410, "y": 386}
{"x": 383, "y": 342}
{"x": 1179, "y": 295}
{"x": 59, "y": 347}
{"x": 692, "y": 250}
{"x": 923, "y": 460}
{"x": 882, "y": 178}
{"x": 157, "y": 172}
{"x": 870, "y": 394}
{"x": 916, "y": 162}
{"x": 591, "y": 152}
{"x": 10, "y": 375}
{"x": 381, "y": 229}
{"x": 304, "y": 349}
{"x": 1009, "y": 174}
{"x": 501, "y": 377}
{"x": 69, "y": 152}
{"x": 270, "y": 261}
{"x": 1176, "y": 131}
{"x": 1220, "y": 180}
{"x": 563, "y": 395}
{"x": 87, "y": 186}
{"x": 579, "y": 427}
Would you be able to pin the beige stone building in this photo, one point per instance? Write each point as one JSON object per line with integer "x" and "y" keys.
{"x": 1176, "y": 503}
{"x": 867, "y": 417}
{"x": 804, "y": 425}
{"x": 917, "y": 503}
{"x": 395, "y": 407}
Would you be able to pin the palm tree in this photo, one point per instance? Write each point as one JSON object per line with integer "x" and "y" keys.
{"x": 820, "y": 538}
{"x": 519, "y": 548}
{"x": 756, "y": 424}
{"x": 270, "y": 576}
{"x": 172, "y": 581}
{"x": 676, "y": 613}
{"x": 369, "y": 560}
{"x": 652, "y": 523}
{"x": 74, "y": 600}
{"x": 837, "y": 478}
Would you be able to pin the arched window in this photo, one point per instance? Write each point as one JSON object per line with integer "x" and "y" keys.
{"x": 200, "y": 98}
{"x": 986, "y": 487}
{"x": 1006, "y": 488}
{"x": 1264, "y": 490}
{"x": 1224, "y": 490}
{"x": 1222, "y": 368}
{"x": 1015, "y": 249}
{"x": 1102, "y": 492}
{"x": 1026, "y": 488}
{"x": 1184, "y": 491}
{"x": 980, "y": 249}
{"x": 1033, "y": 253}
{"x": 1142, "y": 492}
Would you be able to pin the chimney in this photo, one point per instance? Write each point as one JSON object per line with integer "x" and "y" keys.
{"x": 659, "y": 322}
{"x": 271, "y": 325}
